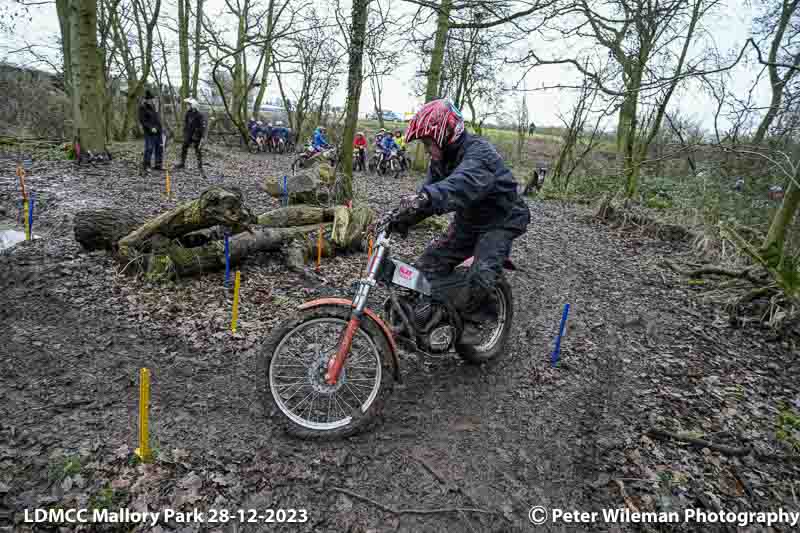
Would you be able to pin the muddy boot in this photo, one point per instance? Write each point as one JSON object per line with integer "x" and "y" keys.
{"x": 159, "y": 166}
{"x": 200, "y": 163}
{"x": 480, "y": 314}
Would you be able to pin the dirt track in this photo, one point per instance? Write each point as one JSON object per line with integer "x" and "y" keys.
{"x": 500, "y": 439}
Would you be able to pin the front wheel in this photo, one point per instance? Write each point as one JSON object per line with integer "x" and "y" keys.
{"x": 494, "y": 335}
{"x": 295, "y": 359}
{"x": 299, "y": 162}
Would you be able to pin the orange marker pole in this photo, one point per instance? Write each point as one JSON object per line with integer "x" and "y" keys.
{"x": 319, "y": 248}
{"x": 21, "y": 174}
{"x": 169, "y": 189}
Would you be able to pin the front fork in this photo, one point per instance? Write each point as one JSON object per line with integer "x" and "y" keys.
{"x": 337, "y": 361}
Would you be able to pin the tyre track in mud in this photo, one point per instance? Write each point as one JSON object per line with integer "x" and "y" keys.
{"x": 502, "y": 438}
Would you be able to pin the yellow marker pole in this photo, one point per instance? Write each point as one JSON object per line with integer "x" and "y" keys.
{"x": 25, "y": 215}
{"x": 235, "y": 302}
{"x": 143, "y": 451}
{"x": 169, "y": 190}
{"x": 319, "y": 248}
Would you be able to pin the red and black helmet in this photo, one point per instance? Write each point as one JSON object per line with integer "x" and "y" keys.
{"x": 438, "y": 120}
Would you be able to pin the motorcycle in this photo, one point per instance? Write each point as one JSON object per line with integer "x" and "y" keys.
{"x": 307, "y": 157}
{"x": 390, "y": 163}
{"x": 359, "y": 158}
{"x": 278, "y": 145}
{"x": 330, "y": 367}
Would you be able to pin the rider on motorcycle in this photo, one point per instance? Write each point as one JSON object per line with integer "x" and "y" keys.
{"x": 360, "y": 146}
{"x": 279, "y": 132}
{"x": 320, "y": 142}
{"x": 466, "y": 176}
{"x": 401, "y": 147}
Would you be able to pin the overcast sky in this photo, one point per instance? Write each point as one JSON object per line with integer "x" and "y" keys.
{"x": 729, "y": 26}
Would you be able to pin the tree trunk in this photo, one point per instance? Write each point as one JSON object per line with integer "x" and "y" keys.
{"x": 198, "y": 26}
{"x": 783, "y": 217}
{"x": 435, "y": 69}
{"x": 87, "y": 71}
{"x": 183, "y": 48}
{"x": 262, "y": 88}
{"x": 63, "y": 11}
{"x": 354, "y": 83}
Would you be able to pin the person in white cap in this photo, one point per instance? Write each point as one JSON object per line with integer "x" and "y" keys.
{"x": 194, "y": 128}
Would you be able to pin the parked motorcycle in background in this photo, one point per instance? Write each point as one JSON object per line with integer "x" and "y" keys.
{"x": 390, "y": 164}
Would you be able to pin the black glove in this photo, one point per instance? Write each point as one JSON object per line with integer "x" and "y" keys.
{"x": 413, "y": 209}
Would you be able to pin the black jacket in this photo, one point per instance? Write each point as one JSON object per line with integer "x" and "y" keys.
{"x": 474, "y": 182}
{"x": 194, "y": 126}
{"x": 149, "y": 119}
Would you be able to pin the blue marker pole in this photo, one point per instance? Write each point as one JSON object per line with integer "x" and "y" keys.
{"x": 285, "y": 192}
{"x": 557, "y": 350}
{"x": 30, "y": 213}
{"x": 227, "y": 262}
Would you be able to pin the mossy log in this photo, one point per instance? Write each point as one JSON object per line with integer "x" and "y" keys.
{"x": 350, "y": 226}
{"x": 176, "y": 260}
{"x": 296, "y": 215}
{"x": 215, "y": 206}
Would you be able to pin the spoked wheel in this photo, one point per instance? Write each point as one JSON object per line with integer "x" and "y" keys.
{"x": 494, "y": 334}
{"x": 296, "y": 357}
{"x": 299, "y": 162}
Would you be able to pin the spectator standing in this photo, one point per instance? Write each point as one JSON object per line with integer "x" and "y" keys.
{"x": 194, "y": 129}
{"x": 151, "y": 124}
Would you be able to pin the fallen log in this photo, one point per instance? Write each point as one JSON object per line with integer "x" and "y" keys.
{"x": 215, "y": 206}
{"x": 189, "y": 240}
{"x": 174, "y": 259}
{"x": 296, "y": 215}
{"x": 100, "y": 229}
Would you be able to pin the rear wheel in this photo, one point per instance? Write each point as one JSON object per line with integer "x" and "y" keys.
{"x": 294, "y": 361}
{"x": 494, "y": 335}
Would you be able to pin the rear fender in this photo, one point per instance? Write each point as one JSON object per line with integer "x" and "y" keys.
{"x": 371, "y": 315}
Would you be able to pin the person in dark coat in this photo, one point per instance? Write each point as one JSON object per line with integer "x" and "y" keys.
{"x": 194, "y": 129}
{"x": 151, "y": 124}
{"x": 466, "y": 176}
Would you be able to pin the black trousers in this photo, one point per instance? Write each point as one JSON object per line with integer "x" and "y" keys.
{"x": 490, "y": 245}
{"x": 197, "y": 152}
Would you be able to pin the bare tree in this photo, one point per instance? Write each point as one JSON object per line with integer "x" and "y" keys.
{"x": 250, "y": 43}
{"x": 780, "y": 27}
{"x": 133, "y": 25}
{"x": 578, "y": 140}
{"x": 308, "y": 59}
{"x": 646, "y": 58}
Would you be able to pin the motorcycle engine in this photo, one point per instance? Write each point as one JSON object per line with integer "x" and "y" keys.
{"x": 440, "y": 339}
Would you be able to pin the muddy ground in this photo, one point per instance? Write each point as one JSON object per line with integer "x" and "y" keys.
{"x": 642, "y": 351}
